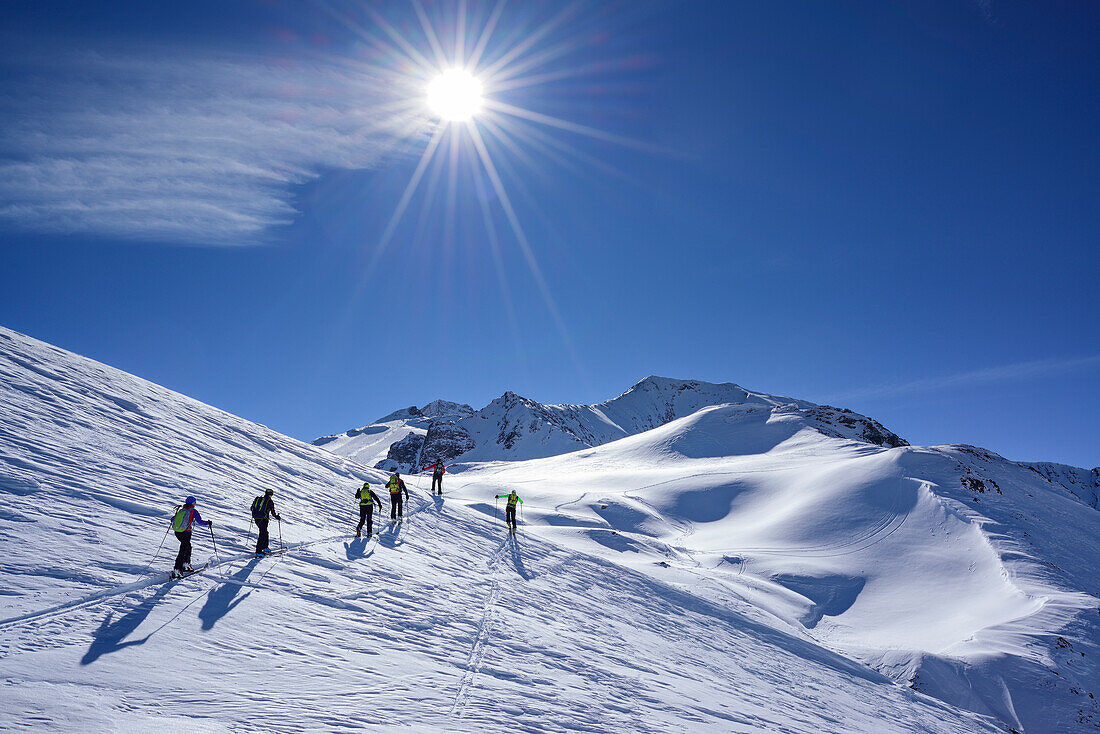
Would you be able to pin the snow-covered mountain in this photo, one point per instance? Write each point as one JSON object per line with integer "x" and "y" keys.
{"x": 748, "y": 566}
{"x": 371, "y": 443}
{"x": 514, "y": 428}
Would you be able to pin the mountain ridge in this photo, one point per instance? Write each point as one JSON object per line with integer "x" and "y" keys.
{"x": 514, "y": 427}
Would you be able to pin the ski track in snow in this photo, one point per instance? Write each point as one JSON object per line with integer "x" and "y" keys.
{"x": 484, "y": 630}
{"x": 100, "y": 597}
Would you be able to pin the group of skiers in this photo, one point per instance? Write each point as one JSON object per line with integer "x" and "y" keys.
{"x": 263, "y": 509}
{"x": 368, "y": 499}
{"x": 398, "y": 494}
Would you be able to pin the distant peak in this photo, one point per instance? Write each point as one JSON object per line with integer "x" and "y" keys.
{"x": 658, "y": 381}
{"x": 433, "y": 410}
{"x": 446, "y": 409}
{"x": 510, "y": 397}
{"x": 410, "y": 412}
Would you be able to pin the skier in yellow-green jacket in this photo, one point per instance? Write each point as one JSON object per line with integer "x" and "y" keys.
{"x": 510, "y": 512}
{"x": 367, "y": 500}
{"x": 396, "y": 486}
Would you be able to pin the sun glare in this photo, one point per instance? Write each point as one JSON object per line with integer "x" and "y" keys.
{"x": 455, "y": 95}
{"x": 453, "y": 59}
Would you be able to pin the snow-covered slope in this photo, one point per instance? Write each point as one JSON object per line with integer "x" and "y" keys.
{"x": 950, "y": 569}
{"x": 513, "y": 427}
{"x": 741, "y": 569}
{"x": 1082, "y": 484}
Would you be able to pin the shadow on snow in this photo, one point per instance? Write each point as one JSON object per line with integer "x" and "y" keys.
{"x": 222, "y": 598}
{"x": 517, "y": 559}
{"x": 357, "y": 549}
{"x": 390, "y": 537}
{"x": 111, "y": 634}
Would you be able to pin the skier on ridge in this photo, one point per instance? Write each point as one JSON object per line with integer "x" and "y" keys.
{"x": 396, "y": 486}
{"x": 186, "y": 517}
{"x": 262, "y": 508}
{"x": 367, "y": 500}
{"x": 510, "y": 513}
{"x": 438, "y": 470}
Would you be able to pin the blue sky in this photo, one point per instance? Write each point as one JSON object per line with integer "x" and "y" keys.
{"x": 889, "y": 206}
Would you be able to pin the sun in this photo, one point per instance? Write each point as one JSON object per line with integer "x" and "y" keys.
{"x": 455, "y": 95}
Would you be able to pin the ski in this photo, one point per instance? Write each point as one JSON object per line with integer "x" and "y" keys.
{"x": 175, "y": 575}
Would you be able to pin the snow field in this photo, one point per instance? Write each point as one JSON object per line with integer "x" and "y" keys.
{"x": 873, "y": 552}
{"x": 735, "y": 570}
{"x": 442, "y": 623}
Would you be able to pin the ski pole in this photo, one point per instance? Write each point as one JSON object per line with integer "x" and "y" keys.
{"x": 248, "y": 538}
{"x": 281, "y": 543}
{"x": 156, "y": 555}
{"x": 211, "y": 529}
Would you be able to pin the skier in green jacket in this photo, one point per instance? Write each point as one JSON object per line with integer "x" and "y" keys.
{"x": 510, "y": 513}
{"x": 183, "y": 521}
{"x": 367, "y": 500}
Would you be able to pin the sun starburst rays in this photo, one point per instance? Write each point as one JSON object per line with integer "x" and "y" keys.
{"x": 460, "y": 74}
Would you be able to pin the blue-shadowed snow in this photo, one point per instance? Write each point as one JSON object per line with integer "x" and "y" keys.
{"x": 734, "y": 570}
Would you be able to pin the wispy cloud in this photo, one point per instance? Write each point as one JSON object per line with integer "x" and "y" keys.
{"x": 174, "y": 148}
{"x": 1018, "y": 372}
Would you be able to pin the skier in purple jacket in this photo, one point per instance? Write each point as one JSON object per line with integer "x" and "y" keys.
{"x": 186, "y": 518}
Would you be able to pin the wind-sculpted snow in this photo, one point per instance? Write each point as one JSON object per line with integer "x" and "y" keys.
{"x": 950, "y": 569}
{"x": 736, "y": 570}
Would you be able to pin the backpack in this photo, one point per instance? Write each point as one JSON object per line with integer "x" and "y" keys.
{"x": 258, "y": 508}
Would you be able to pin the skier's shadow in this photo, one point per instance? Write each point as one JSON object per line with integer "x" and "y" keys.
{"x": 222, "y": 598}
{"x": 357, "y": 549}
{"x": 517, "y": 559}
{"x": 437, "y": 500}
{"x": 390, "y": 537}
{"x": 110, "y": 635}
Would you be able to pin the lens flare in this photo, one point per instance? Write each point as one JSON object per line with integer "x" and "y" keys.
{"x": 455, "y": 95}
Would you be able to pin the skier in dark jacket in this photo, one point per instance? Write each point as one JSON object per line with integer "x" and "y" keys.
{"x": 396, "y": 486}
{"x": 367, "y": 500}
{"x": 186, "y": 517}
{"x": 438, "y": 470}
{"x": 262, "y": 509}
{"x": 510, "y": 513}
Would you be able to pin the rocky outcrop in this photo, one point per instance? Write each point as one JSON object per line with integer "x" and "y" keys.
{"x": 831, "y": 420}
{"x": 1082, "y": 484}
{"x": 403, "y": 454}
{"x": 445, "y": 441}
